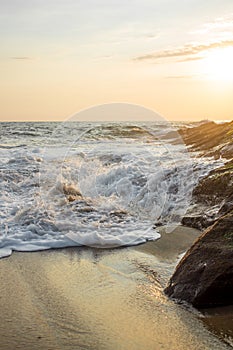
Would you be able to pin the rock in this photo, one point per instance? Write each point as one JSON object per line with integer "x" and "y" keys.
{"x": 216, "y": 186}
{"x": 199, "y": 222}
{"x": 212, "y": 198}
{"x": 227, "y": 205}
{"x": 211, "y": 138}
{"x": 204, "y": 277}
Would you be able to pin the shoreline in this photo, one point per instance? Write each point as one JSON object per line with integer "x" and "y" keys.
{"x": 86, "y": 298}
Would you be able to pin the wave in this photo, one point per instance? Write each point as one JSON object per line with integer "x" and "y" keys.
{"x": 12, "y": 146}
{"x": 116, "y": 131}
{"x": 108, "y": 187}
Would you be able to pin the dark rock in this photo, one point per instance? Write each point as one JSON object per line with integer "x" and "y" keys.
{"x": 199, "y": 222}
{"x": 226, "y": 206}
{"x": 213, "y": 197}
{"x": 204, "y": 277}
{"x": 216, "y": 186}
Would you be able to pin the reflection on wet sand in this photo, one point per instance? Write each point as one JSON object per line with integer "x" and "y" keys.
{"x": 83, "y": 298}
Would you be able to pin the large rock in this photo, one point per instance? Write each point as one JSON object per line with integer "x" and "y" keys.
{"x": 204, "y": 277}
{"x": 210, "y": 138}
{"x": 216, "y": 186}
{"x": 212, "y": 198}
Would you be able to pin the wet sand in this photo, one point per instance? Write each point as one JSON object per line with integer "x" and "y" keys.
{"x": 220, "y": 321}
{"x": 84, "y": 298}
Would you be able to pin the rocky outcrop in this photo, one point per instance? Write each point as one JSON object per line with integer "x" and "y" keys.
{"x": 211, "y": 139}
{"x": 216, "y": 186}
{"x": 204, "y": 277}
{"x": 199, "y": 221}
{"x": 213, "y": 197}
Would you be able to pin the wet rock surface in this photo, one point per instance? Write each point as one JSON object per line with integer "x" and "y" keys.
{"x": 211, "y": 139}
{"x": 204, "y": 277}
{"x": 213, "y": 196}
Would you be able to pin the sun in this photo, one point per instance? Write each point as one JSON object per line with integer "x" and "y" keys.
{"x": 218, "y": 64}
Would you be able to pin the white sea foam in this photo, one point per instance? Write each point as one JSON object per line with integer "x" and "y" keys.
{"x": 109, "y": 186}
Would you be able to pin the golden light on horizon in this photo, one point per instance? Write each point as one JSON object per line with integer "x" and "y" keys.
{"x": 218, "y": 65}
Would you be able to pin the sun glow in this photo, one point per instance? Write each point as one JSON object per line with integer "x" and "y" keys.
{"x": 218, "y": 64}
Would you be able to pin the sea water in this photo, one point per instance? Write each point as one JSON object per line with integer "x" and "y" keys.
{"x": 99, "y": 184}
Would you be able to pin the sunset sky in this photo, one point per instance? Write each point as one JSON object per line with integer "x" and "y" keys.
{"x": 58, "y": 57}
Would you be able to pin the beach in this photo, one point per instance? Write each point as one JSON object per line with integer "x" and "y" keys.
{"x": 116, "y": 175}
{"x": 87, "y": 298}
{"x": 118, "y": 186}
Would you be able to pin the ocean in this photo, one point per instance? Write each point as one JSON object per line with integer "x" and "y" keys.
{"x": 97, "y": 184}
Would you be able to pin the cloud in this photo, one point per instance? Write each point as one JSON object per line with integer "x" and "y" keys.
{"x": 150, "y": 36}
{"x": 21, "y": 58}
{"x": 179, "y": 77}
{"x": 220, "y": 24}
{"x": 193, "y": 58}
{"x": 186, "y": 52}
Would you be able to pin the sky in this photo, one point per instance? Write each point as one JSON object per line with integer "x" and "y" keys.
{"x": 60, "y": 57}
